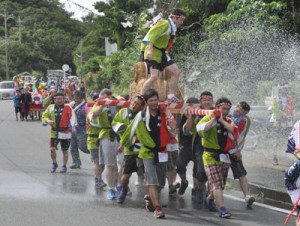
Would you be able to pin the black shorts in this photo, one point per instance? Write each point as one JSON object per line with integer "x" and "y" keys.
{"x": 130, "y": 165}
{"x": 237, "y": 168}
{"x": 154, "y": 65}
{"x": 200, "y": 173}
{"x": 185, "y": 156}
{"x": 64, "y": 143}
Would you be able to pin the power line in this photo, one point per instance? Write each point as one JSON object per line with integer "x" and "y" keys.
{"x": 78, "y": 5}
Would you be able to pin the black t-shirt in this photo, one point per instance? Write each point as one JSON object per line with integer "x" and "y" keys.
{"x": 154, "y": 125}
{"x": 58, "y": 114}
{"x": 184, "y": 140}
{"x": 222, "y": 135}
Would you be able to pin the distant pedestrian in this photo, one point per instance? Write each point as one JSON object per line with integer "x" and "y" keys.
{"x": 17, "y": 104}
{"x": 26, "y": 100}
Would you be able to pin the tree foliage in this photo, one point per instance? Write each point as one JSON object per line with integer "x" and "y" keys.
{"x": 41, "y": 36}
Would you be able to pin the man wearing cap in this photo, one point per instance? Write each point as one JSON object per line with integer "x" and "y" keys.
{"x": 155, "y": 51}
{"x": 61, "y": 118}
{"x": 243, "y": 122}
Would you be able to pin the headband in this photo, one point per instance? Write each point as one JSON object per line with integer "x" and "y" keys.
{"x": 182, "y": 17}
{"x": 223, "y": 104}
{"x": 206, "y": 96}
{"x": 141, "y": 97}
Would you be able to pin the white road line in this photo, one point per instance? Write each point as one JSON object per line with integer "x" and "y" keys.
{"x": 260, "y": 204}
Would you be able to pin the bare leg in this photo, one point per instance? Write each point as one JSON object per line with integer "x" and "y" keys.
{"x": 111, "y": 172}
{"x": 171, "y": 177}
{"x": 150, "y": 81}
{"x": 174, "y": 72}
{"x": 218, "y": 195}
{"x": 244, "y": 185}
{"x": 153, "y": 192}
{"x": 98, "y": 170}
{"x": 65, "y": 157}
{"x": 125, "y": 180}
{"x": 53, "y": 154}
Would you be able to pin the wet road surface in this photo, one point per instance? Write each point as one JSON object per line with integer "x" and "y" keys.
{"x": 31, "y": 195}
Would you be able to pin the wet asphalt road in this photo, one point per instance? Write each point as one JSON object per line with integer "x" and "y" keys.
{"x": 31, "y": 195}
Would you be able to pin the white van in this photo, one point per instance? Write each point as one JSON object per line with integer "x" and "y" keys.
{"x": 7, "y": 90}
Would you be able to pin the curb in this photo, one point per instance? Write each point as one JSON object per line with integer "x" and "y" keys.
{"x": 265, "y": 192}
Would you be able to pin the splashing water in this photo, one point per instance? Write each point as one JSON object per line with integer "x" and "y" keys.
{"x": 236, "y": 67}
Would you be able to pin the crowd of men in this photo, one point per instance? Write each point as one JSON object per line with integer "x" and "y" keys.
{"x": 147, "y": 139}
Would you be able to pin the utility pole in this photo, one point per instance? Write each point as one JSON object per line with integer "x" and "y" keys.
{"x": 6, "y": 45}
{"x": 6, "y": 17}
{"x": 81, "y": 50}
{"x": 20, "y": 28}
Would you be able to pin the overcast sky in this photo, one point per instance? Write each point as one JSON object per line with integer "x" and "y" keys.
{"x": 79, "y": 12}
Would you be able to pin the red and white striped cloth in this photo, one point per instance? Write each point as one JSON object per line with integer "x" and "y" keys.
{"x": 123, "y": 104}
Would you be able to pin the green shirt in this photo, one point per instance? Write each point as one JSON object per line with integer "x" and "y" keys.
{"x": 138, "y": 128}
{"x": 123, "y": 118}
{"x": 159, "y": 35}
{"x": 209, "y": 140}
{"x": 49, "y": 113}
{"x": 93, "y": 129}
{"x": 105, "y": 120}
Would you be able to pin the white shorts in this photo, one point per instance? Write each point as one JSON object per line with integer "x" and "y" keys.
{"x": 108, "y": 151}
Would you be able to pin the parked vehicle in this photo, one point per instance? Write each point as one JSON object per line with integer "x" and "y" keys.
{"x": 7, "y": 90}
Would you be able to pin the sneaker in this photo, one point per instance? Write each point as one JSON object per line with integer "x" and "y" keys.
{"x": 177, "y": 185}
{"x": 54, "y": 167}
{"x": 224, "y": 213}
{"x": 199, "y": 195}
{"x": 172, "y": 190}
{"x": 183, "y": 187}
{"x": 122, "y": 195}
{"x": 210, "y": 204}
{"x": 158, "y": 213}
{"x": 111, "y": 194}
{"x": 75, "y": 166}
{"x": 174, "y": 99}
{"x": 249, "y": 200}
{"x": 99, "y": 183}
{"x": 149, "y": 205}
{"x": 63, "y": 169}
{"x": 118, "y": 189}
